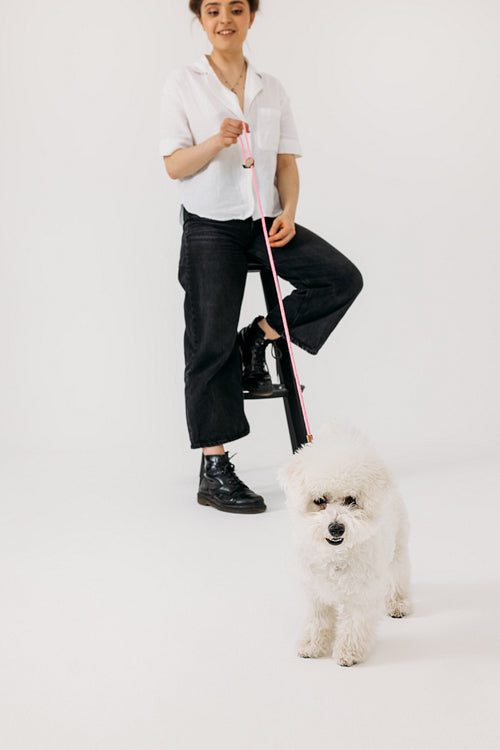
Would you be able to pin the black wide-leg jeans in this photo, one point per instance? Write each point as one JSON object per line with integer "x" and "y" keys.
{"x": 212, "y": 272}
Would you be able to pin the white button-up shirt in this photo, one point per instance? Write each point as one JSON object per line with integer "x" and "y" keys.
{"x": 194, "y": 104}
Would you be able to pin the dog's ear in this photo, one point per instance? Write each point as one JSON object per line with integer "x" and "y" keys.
{"x": 379, "y": 481}
{"x": 382, "y": 476}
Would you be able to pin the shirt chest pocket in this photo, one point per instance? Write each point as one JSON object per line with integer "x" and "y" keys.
{"x": 268, "y": 128}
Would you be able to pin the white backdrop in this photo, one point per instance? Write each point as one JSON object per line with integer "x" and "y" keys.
{"x": 398, "y": 112}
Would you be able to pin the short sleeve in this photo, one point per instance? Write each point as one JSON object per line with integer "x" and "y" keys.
{"x": 289, "y": 139}
{"x": 175, "y": 132}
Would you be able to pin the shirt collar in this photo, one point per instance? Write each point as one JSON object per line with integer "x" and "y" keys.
{"x": 254, "y": 84}
{"x": 203, "y": 66}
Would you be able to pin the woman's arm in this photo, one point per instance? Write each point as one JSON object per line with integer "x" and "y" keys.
{"x": 287, "y": 178}
{"x": 187, "y": 161}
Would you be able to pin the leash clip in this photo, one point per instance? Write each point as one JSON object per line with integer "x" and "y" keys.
{"x": 249, "y": 163}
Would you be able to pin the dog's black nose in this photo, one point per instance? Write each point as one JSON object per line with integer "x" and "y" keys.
{"x": 336, "y": 529}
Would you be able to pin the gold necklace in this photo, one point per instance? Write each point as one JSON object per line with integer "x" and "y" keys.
{"x": 219, "y": 73}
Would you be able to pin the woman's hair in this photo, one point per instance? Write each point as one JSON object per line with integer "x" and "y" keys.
{"x": 195, "y": 6}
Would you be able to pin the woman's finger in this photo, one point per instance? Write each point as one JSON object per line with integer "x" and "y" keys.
{"x": 279, "y": 237}
{"x": 280, "y": 227}
{"x": 286, "y": 233}
{"x": 231, "y": 129}
{"x": 281, "y": 243}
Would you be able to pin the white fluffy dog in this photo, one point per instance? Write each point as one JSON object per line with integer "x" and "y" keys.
{"x": 351, "y": 540}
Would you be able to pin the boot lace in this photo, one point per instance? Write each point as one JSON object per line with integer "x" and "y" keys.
{"x": 276, "y": 352}
{"x": 231, "y": 478}
{"x": 258, "y": 358}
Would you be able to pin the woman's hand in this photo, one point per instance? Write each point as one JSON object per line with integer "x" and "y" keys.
{"x": 282, "y": 230}
{"x": 230, "y": 130}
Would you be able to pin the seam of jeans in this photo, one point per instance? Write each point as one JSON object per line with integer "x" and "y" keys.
{"x": 189, "y": 304}
{"x": 194, "y": 321}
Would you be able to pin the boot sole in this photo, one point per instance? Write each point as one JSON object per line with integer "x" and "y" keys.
{"x": 260, "y": 394}
{"x": 254, "y": 392}
{"x": 206, "y": 500}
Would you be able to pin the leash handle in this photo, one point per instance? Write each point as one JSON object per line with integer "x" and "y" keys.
{"x": 249, "y": 164}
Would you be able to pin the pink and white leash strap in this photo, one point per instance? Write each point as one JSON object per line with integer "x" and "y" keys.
{"x": 249, "y": 163}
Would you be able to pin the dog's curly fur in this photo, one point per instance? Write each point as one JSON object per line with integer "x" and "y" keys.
{"x": 351, "y": 542}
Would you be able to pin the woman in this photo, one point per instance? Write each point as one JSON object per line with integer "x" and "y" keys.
{"x": 204, "y": 107}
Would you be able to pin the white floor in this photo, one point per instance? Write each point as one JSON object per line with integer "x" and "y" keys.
{"x": 134, "y": 619}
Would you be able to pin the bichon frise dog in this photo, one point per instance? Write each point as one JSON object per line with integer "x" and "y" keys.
{"x": 351, "y": 540}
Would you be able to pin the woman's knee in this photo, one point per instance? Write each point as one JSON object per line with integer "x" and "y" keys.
{"x": 343, "y": 275}
{"x": 346, "y": 281}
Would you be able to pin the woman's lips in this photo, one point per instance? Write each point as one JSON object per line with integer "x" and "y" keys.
{"x": 225, "y": 33}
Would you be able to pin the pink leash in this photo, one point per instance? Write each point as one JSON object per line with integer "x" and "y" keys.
{"x": 249, "y": 162}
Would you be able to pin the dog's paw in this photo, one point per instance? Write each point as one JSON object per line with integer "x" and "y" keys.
{"x": 345, "y": 662}
{"x": 347, "y": 655}
{"x": 398, "y": 608}
{"x": 308, "y": 649}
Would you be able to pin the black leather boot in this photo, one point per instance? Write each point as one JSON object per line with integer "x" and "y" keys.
{"x": 222, "y": 489}
{"x": 252, "y": 342}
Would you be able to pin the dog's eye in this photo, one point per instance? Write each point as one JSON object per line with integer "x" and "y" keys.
{"x": 321, "y": 501}
{"x": 349, "y": 500}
